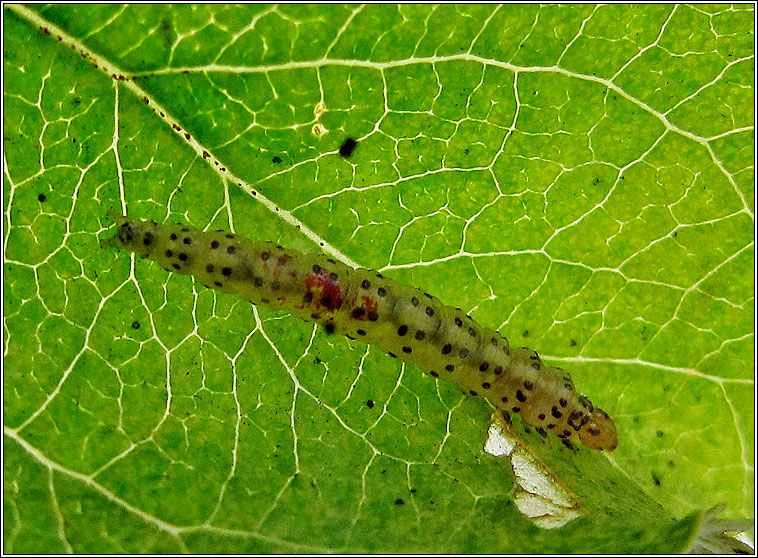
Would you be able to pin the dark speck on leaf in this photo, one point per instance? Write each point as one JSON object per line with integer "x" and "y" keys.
{"x": 276, "y": 160}
{"x": 399, "y": 502}
{"x": 370, "y": 404}
{"x": 42, "y": 198}
{"x": 135, "y": 325}
{"x": 347, "y": 147}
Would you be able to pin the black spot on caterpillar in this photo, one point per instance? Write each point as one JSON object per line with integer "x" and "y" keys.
{"x": 403, "y": 321}
{"x": 347, "y": 147}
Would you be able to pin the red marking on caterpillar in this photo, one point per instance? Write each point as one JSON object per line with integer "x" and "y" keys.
{"x": 367, "y": 308}
{"x": 326, "y": 287}
{"x": 403, "y": 321}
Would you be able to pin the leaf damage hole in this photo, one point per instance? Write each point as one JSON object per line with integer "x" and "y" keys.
{"x": 537, "y": 493}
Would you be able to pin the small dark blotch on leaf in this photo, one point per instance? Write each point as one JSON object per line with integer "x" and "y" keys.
{"x": 399, "y": 502}
{"x": 370, "y": 404}
{"x": 136, "y": 325}
{"x": 42, "y": 198}
{"x": 347, "y": 147}
{"x": 276, "y": 159}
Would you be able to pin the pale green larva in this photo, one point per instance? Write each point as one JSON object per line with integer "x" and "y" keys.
{"x": 406, "y": 322}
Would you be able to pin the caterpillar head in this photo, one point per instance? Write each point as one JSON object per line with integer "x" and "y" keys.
{"x": 600, "y": 432}
{"x": 132, "y": 235}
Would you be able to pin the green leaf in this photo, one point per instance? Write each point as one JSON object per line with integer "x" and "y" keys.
{"x": 578, "y": 177}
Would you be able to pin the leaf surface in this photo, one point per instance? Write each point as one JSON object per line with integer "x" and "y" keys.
{"x": 578, "y": 177}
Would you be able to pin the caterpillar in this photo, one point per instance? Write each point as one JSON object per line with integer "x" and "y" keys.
{"x": 405, "y": 322}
